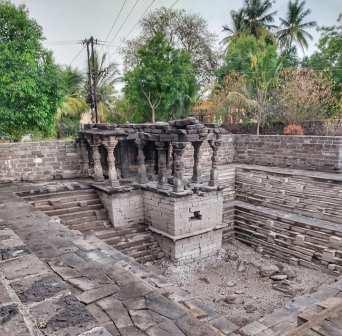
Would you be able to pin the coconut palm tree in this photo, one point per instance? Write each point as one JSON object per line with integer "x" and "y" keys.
{"x": 257, "y": 16}
{"x": 107, "y": 75}
{"x": 238, "y": 26}
{"x": 294, "y": 28}
{"x": 73, "y": 104}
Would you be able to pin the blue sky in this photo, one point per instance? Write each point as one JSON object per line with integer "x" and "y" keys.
{"x": 72, "y": 20}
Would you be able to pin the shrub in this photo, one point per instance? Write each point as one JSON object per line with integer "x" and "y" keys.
{"x": 293, "y": 129}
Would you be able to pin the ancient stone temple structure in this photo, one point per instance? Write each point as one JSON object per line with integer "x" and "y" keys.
{"x": 138, "y": 170}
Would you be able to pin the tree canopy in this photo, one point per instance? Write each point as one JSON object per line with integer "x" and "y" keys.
{"x": 188, "y": 32}
{"x": 162, "y": 85}
{"x": 30, "y": 82}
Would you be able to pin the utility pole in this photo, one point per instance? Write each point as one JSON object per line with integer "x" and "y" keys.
{"x": 92, "y": 77}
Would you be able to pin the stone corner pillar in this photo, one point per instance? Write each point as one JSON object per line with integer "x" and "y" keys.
{"x": 112, "y": 173}
{"x": 214, "y": 144}
{"x": 142, "y": 174}
{"x": 196, "y": 171}
{"x": 178, "y": 150}
{"x": 162, "y": 169}
{"x": 98, "y": 172}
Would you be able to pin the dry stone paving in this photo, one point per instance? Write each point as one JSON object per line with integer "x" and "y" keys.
{"x": 119, "y": 301}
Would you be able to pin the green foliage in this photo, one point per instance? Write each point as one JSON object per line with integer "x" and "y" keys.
{"x": 253, "y": 18}
{"x": 255, "y": 59}
{"x": 182, "y": 30}
{"x": 294, "y": 29}
{"x": 328, "y": 57}
{"x": 162, "y": 85}
{"x": 30, "y": 82}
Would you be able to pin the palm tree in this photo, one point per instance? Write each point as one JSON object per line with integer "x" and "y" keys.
{"x": 73, "y": 104}
{"x": 106, "y": 78}
{"x": 293, "y": 28}
{"x": 257, "y": 16}
{"x": 238, "y": 25}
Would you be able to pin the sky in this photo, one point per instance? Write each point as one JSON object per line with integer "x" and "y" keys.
{"x": 65, "y": 22}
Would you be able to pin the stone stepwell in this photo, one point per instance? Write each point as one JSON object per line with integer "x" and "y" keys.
{"x": 79, "y": 208}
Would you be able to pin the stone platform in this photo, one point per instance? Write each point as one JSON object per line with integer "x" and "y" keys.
{"x": 56, "y": 282}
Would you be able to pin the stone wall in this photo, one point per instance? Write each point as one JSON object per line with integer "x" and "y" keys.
{"x": 34, "y": 161}
{"x": 225, "y": 156}
{"x": 299, "y": 152}
{"x": 124, "y": 209}
{"x": 313, "y": 195}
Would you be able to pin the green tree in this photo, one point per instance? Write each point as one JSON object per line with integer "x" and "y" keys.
{"x": 182, "y": 30}
{"x": 328, "y": 57}
{"x": 294, "y": 28}
{"x": 76, "y": 88}
{"x": 30, "y": 82}
{"x": 258, "y": 16}
{"x": 238, "y": 26}
{"x": 162, "y": 85}
{"x": 257, "y": 60}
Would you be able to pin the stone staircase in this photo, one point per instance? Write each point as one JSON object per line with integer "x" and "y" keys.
{"x": 81, "y": 209}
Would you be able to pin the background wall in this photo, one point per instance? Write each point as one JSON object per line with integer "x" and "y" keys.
{"x": 299, "y": 152}
{"x": 34, "y": 161}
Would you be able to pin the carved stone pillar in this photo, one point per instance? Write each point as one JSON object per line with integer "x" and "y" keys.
{"x": 214, "y": 144}
{"x": 178, "y": 150}
{"x": 112, "y": 173}
{"x": 84, "y": 157}
{"x": 196, "y": 171}
{"x": 98, "y": 173}
{"x": 142, "y": 175}
{"x": 162, "y": 169}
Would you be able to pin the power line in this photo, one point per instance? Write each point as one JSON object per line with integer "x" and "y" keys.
{"x": 76, "y": 56}
{"x": 116, "y": 20}
{"x": 124, "y": 22}
{"x": 174, "y": 4}
{"x": 143, "y": 14}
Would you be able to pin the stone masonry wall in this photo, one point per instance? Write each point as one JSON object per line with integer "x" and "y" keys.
{"x": 225, "y": 156}
{"x": 34, "y": 161}
{"x": 124, "y": 209}
{"x": 299, "y": 152}
{"x": 314, "y": 196}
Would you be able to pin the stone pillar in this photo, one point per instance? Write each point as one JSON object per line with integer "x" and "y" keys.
{"x": 98, "y": 173}
{"x": 178, "y": 150}
{"x": 162, "y": 169}
{"x": 196, "y": 172}
{"x": 84, "y": 157}
{"x": 112, "y": 173}
{"x": 142, "y": 175}
{"x": 214, "y": 144}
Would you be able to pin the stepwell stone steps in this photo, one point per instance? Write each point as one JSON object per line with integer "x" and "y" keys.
{"x": 51, "y": 205}
{"x": 306, "y": 241}
{"x": 94, "y": 205}
{"x": 45, "y": 196}
{"x": 82, "y": 210}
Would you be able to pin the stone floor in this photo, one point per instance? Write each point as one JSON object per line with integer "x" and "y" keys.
{"x": 56, "y": 282}
{"x": 242, "y": 284}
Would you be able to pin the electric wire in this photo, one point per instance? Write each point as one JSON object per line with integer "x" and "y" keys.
{"x": 142, "y": 15}
{"x": 115, "y": 20}
{"x": 125, "y": 20}
{"x": 76, "y": 56}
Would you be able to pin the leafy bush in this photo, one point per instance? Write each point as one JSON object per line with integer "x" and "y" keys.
{"x": 293, "y": 129}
